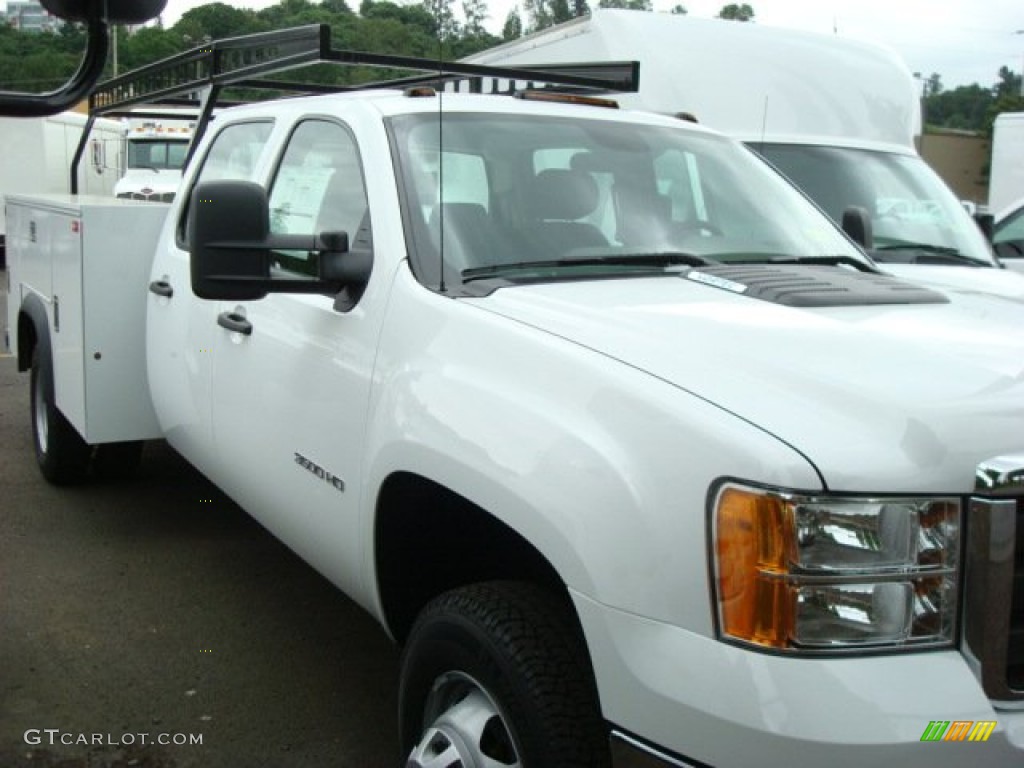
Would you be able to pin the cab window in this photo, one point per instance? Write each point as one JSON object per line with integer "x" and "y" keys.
{"x": 318, "y": 188}
{"x": 233, "y": 156}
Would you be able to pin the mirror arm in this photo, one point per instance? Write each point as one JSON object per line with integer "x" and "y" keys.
{"x": 76, "y": 89}
{"x": 276, "y": 285}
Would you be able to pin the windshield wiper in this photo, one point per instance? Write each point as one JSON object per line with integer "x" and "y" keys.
{"x": 829, "y": 261}
{"x": 923, "y": 253}
{"x": 648, "y": 260}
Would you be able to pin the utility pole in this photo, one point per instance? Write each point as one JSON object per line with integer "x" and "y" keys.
{"x": 1021, "y": 32}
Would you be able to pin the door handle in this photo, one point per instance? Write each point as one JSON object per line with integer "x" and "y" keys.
{"x": 161, "y": 288}
{"x": 234, "y": 322}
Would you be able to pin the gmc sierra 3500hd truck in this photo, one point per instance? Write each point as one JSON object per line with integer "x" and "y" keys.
{"x": 637, "y": 456}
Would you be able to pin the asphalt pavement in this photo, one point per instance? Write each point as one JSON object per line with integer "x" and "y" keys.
{"x": 157, "y": 611}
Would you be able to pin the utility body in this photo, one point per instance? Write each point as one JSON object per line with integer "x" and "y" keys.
{"x": 632, "y": 450}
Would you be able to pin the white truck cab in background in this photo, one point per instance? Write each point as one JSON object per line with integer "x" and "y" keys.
{"x": 154, "y": 155}
{"x": 837, "y": 116}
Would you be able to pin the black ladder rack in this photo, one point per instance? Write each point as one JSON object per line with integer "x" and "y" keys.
{"x": 196, "y": 78}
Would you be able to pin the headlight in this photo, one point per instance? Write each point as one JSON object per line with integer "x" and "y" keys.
{"x": 827, "y": 573}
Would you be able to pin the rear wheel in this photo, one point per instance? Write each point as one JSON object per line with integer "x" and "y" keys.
{"x": 496, "y": 676}
{"x": 62, "y": 454}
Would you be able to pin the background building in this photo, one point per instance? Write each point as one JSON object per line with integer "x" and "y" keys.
{"x": 30, "y": 16}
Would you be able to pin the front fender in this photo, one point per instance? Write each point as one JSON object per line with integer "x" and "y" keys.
{"x": 601, "y": 467}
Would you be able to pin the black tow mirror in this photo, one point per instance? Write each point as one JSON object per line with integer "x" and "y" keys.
{"x": 228, "y": 227}
{"x": 96, "y": 14}
{"x": 111, "y": 11}
{"x": 233, "y": 250}
{"x": 857, "y": 224}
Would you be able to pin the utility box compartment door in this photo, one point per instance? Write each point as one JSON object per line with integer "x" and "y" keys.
{"x": 99, "y": 251}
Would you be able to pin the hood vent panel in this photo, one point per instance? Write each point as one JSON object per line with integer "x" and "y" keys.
{"x": 795, "y": 285}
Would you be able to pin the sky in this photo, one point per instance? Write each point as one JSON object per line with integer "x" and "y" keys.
{"x": 965, "y": 41}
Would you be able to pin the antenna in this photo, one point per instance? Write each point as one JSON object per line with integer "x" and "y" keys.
{"x": 440, "y": 146}
{"x": 764, "y": 125}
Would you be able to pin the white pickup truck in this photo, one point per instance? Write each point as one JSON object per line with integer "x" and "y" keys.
{"x": 637, "y": 456}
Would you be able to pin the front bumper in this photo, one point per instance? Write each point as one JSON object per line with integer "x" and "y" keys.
{"x": 677, "y": 698}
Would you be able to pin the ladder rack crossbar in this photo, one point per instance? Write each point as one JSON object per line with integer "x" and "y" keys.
{"x": 242, "y": 61}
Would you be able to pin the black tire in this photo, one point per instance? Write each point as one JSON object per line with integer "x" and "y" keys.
{"x": 512, "y": 650}
{"x": 62, "y": 454}
{"x": 117, "y": 461}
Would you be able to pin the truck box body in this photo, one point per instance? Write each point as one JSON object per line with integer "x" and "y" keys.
{"x": 88, "y": 260}
{"x": 755, "y": 83}
{"x": 837, "y": 116}
{"x": 1006, "y": 178}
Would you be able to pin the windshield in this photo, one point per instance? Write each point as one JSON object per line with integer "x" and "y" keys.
{"x": 538, "y": 197}
{"x": 911, "y": 208}
{"x": 157, "y": 154}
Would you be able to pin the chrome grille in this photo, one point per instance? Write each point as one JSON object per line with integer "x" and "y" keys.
{"x": 163, "y": 197}
{"x": 993, "y": 626}
{"x": 1015, "y": 645}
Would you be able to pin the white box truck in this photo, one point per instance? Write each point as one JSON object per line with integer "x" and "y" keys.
{"x": 37, "y": 153}
{"x": 837, "y": 116}
{"x": 1006, "y": 176}
{"x": 154, "y": 155}
{"x": 637, "y": 456}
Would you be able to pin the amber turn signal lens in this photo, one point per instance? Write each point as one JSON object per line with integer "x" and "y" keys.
{"x": 755, "y": 603}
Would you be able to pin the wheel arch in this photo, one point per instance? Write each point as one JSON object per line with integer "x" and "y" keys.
{"x": 428, "y": 539}
{"x": 33, "y": 330}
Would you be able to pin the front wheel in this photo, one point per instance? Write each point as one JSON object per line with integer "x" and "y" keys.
{"x": 496, "y": 675}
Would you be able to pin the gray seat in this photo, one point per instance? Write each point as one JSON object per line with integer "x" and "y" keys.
{"x": 559, "y": 198}
{"x": 470, "y": 239}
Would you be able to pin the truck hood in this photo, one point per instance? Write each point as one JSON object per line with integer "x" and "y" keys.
{"x": 963, "y": 280}
{"x": 880, "y": 398}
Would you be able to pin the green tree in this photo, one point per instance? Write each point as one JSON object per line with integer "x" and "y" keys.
{"x": 336, "y": 6}
{"x": 475, "y": 14}
{"x": 629, "y": 5}
{"x": 961, "y": 108}
{"x": 513, "y": 27}
{"x": 547, "y": 13}
{"x": 1009, "y": 84}
{"x": 444, "y": 18}
{"x": 217, "y": 20}
{"x": 147, "y": 45}
{"x": 679, "y": 10}
{"x": 1006, "y": 97}
{"x": 737, "y": 12}
{"x": 414, "y": 15}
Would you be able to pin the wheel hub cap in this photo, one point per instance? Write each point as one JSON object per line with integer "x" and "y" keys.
{"x": 466, "y": 730}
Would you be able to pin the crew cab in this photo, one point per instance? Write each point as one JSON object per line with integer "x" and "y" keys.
{"x": 640, "y": 459}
